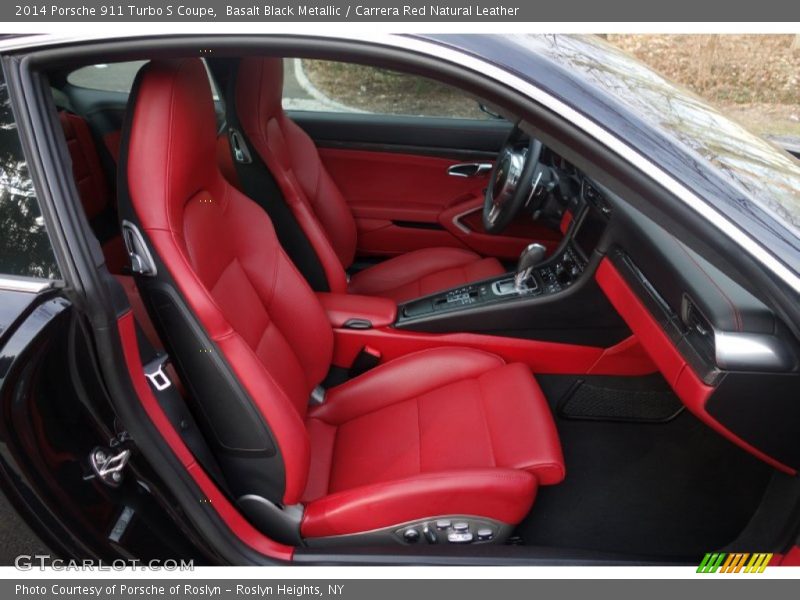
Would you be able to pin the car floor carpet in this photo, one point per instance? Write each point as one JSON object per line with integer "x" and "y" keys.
{"x": 673, "y": 489}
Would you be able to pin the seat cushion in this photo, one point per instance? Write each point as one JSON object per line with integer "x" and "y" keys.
{"x": 423, "y": 272}
{"x": 438, "y": 432}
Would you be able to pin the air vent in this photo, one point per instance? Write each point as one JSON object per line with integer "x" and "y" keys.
{"x": 595, "y": 197}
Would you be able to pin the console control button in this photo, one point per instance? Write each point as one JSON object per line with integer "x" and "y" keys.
{"x": 461, "y": 526}
{"x": 455, "y": 537}
{"x": 485, "y": 534}
{"x": 411, "y": 535}
{"x": 443, "y": 524}
{"x": 552, "y": 288}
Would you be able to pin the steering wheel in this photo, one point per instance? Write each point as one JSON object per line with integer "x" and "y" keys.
{"x": 513, "y": 183}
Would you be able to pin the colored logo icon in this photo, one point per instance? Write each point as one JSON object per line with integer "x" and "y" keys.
{"x": 736, "y": 562}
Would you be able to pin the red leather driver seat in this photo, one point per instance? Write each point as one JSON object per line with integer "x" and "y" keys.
{"x": 444, "y": 433}
{"x": 321, "y": 211}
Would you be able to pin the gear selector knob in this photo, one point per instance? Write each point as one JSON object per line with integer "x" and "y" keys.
{"x": 531, "y": 256}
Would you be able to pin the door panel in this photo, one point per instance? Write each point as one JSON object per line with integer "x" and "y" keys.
{"x": 392, "y": 172}
{"x": 464, "y": 221}
{"x": 459, "y": 139}
{"x": 397, "y": 199}
{"x": 397, "y": 186}
{"x": 381, "y": 237}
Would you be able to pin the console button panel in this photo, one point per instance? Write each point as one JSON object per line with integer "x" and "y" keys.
{"x": 563, "y": 272}
{"x": 556, "y": 275}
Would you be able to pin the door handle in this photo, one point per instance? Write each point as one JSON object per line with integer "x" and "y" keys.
{"x": 469, "y": 169}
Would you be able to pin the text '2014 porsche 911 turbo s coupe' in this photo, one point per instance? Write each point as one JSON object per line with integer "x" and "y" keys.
{"x": 506, "y": 300}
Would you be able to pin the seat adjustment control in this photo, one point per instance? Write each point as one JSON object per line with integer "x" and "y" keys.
{"x": 458, "y": 537}
{"x": 430, "y": 535}
{"x": 411, "y": 535}
{"x": 456, "y": 529}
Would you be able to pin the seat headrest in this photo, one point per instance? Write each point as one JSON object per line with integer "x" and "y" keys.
{"x": 171, "y": 152}
{"x": 259, "y": 87}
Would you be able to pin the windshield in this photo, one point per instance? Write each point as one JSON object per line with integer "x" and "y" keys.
{"x": 768, "y": 175}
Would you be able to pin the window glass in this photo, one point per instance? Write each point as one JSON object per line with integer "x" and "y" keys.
{"x": 113, "y": 77}
{"x": 25, "y": 248}
{"x": 329, "y": 86}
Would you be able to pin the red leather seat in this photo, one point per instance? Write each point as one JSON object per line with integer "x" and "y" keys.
{"x": 397, "y": 442}
{"x": 320, "y": 209}
{"x": 453, "y": 432}
{"x": 95, "y": 193}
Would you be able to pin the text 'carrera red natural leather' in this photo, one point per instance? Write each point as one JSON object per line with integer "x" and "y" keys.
{"x": 374, "y": 454}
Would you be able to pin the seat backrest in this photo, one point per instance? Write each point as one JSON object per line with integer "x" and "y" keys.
{"x": 90, "y": 179}
{"x": 292, "y": 158}
{"x": 246, "y": 332}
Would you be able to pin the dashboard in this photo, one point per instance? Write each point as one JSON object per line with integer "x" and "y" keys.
{"x": 618, "y": 273}
{"x": 724, "y": 352}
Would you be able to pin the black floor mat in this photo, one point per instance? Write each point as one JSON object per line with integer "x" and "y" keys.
{"x": 616, "y": 402}
{"x": 674, "y": 489}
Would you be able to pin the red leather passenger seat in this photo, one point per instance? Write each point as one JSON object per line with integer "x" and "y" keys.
{"x": 446, "y": 432}
{"x": 320, "y": 209}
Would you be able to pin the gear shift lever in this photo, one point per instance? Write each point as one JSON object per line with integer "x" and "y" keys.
{"x": 531, "y": 256}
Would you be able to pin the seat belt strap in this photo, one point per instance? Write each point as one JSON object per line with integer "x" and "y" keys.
{"x": 178, "y": 413}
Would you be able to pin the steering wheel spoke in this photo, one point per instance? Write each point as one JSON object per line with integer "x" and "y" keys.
{"x": 493, "y": 213}
{"x": 511, "y": 186}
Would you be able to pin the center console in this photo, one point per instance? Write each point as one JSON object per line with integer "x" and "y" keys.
{"x": 552, "y": 276}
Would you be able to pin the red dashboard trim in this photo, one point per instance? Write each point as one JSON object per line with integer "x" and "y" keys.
{"x": 566, "y": 221}
{"x": 684, "y": 381}
{"x": 625, "y": 358}
{"x": 464, "y": 221}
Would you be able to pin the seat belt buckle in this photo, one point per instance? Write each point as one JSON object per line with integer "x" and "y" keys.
{"x": 366, "y": 359}
{"x": 154, "y": 371}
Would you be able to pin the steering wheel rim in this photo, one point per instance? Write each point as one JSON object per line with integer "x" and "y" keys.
{"x": 510, "y": 184}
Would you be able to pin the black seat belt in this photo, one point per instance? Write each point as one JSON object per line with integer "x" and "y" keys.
{"x": 177, "y": 411}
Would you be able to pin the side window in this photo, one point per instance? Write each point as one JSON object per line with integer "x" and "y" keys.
{"x": 25, "y": 248}
{"x": 329, "y": 86}
{"x": 113, "y": 77}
